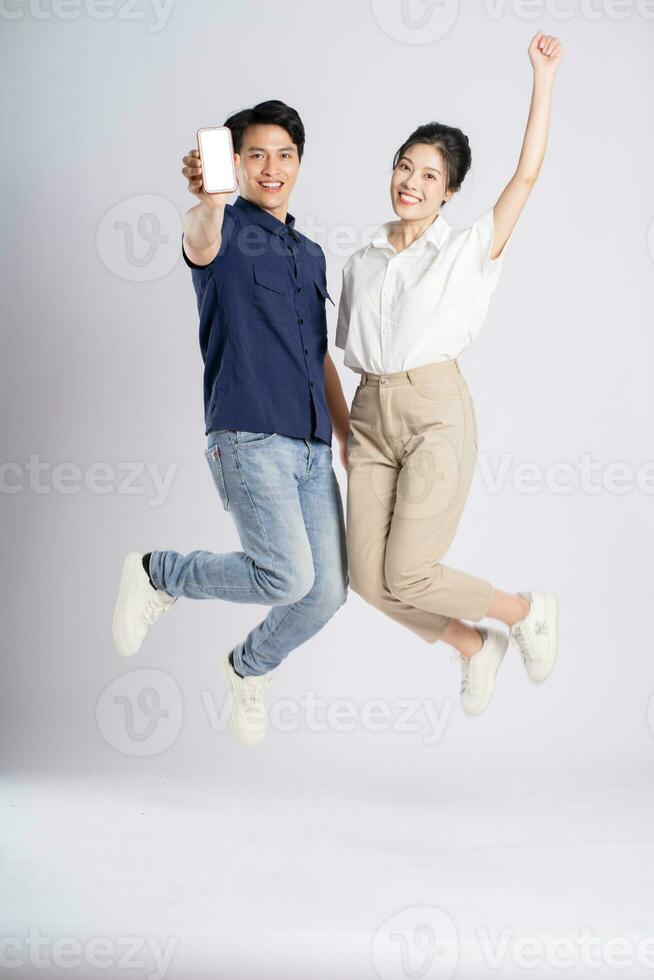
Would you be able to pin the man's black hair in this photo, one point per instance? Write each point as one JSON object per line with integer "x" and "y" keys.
{"x": 271, "y": 113}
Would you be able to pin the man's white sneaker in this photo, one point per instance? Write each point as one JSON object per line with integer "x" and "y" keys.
{"x": 248, "y": 712}
{"x": 536, "y": 634}
{"x": 478, "y": 672}
{"x": 138, "y": 606}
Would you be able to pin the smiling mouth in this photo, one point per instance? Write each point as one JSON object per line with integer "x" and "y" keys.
{"x": 408, "y": 199}
{"x": 271, "y": 186}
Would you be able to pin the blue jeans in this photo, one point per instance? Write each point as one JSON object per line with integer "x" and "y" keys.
{"x": 286, "y": 503}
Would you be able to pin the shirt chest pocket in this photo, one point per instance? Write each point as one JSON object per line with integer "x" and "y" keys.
{"x": 270, "y": 294}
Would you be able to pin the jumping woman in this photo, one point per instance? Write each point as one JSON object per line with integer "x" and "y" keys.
{"x": 412, "y": 300}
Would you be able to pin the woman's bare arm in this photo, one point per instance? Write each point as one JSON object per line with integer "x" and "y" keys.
{"x": 545, "y": 53}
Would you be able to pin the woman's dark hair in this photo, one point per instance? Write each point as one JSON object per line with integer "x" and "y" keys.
{"x": 454, "y": 148}
{"x": 272, "y": 113}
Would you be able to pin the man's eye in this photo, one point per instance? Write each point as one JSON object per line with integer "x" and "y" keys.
{"x": 430, "y": 176}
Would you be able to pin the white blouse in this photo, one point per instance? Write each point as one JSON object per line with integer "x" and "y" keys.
{"x": 399, "y": 310}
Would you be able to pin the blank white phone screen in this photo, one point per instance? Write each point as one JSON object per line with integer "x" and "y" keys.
{"x": 217, "y": 160}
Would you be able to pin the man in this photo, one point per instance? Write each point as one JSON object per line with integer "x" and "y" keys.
{"x": 271, "y": 395}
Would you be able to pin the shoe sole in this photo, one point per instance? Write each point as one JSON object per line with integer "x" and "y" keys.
{"x": 552, "y": 616}
{"x": 489, "y": 698}
{"x": 130, "y": 567}
{"x": 230, "y": 694}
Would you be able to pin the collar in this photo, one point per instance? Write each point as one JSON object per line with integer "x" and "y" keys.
{"x": 437, "y": 233}
{"x": 262, "y": 217}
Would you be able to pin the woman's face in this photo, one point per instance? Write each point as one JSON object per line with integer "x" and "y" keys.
{"x": 418, "y": 183}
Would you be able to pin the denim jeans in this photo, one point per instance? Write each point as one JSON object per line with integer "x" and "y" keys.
{"x": 285, "y": 501}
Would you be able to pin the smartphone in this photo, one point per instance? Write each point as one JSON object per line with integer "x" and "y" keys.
{"x": 217, "y": 158}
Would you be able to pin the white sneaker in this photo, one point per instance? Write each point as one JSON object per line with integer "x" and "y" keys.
{"x": 478, "y": 672}
{"x": 138, "y": 606}
{"x": 536, "y": 634}
{"x": 248, "y": 712}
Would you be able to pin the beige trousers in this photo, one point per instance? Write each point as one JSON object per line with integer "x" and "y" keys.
{"x": 411, "y": 458}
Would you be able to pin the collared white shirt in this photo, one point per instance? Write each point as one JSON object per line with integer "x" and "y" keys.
{"x": 399, "y": 310}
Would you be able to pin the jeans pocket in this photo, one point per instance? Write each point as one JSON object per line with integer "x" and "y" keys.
{"x": 214, "y": 459}
{"x": 243, "y": 439}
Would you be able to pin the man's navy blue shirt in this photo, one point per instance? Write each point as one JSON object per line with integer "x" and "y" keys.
{"x": 263, "y": 327}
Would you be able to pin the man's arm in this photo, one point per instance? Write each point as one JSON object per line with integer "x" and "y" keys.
{"x": 203, "y": 223}
{"x": 340, "y": 413}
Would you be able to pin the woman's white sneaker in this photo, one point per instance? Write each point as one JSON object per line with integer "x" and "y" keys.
{"x": 478, "y": 672}
{"x": 536, "y": 634}
{"x": 248, "y": 711}
{"x": 138, "y": 606}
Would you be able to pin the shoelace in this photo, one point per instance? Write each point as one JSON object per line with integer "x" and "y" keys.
{"x": 253, "y": 691}
{"x": 520, "y": 635}
{"x": 468, "y": 670}
{"x": 153, "y": 610}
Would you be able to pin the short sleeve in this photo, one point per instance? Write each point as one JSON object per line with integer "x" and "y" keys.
{"x": 226, "y": 235}
{"x": 344, "y": 308}
{"x": 193, "y": 265}
{"x": 483, "y": 231}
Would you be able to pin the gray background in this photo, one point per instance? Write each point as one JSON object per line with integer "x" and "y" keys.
{"x": 127, "y": 809}
{"x": 99, "y": 368}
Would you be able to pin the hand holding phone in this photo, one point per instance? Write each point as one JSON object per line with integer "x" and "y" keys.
{"x": 210, "y": 169}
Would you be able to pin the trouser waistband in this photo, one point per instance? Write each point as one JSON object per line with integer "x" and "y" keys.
{"x": 414, "y": 375}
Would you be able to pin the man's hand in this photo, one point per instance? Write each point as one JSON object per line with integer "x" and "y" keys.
{"x": 192, "y": 170}
{"x": 342, "y": 452}
{"x": 203, "y": 223}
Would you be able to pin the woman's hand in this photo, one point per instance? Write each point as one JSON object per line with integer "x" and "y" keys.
{"x": 545, "y": 54}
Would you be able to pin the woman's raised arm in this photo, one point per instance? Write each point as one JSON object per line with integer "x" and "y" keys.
{"x": 545, "y": 53}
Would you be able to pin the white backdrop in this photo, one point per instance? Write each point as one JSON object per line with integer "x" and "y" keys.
{"x": 103, "y": 419}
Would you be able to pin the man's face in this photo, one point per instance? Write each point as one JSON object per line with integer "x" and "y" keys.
{"x": 267, "y": 167}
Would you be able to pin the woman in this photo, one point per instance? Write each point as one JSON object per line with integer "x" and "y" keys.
{"x": 412, "y": 300}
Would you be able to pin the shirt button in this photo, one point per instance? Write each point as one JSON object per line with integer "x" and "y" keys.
{"x": 384, "y": 381}
{"x": 311, "y": 383}
{"x": 306, "y": 351}
{"x": 299, "y": 289}
{"x": 301, "y": 321}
